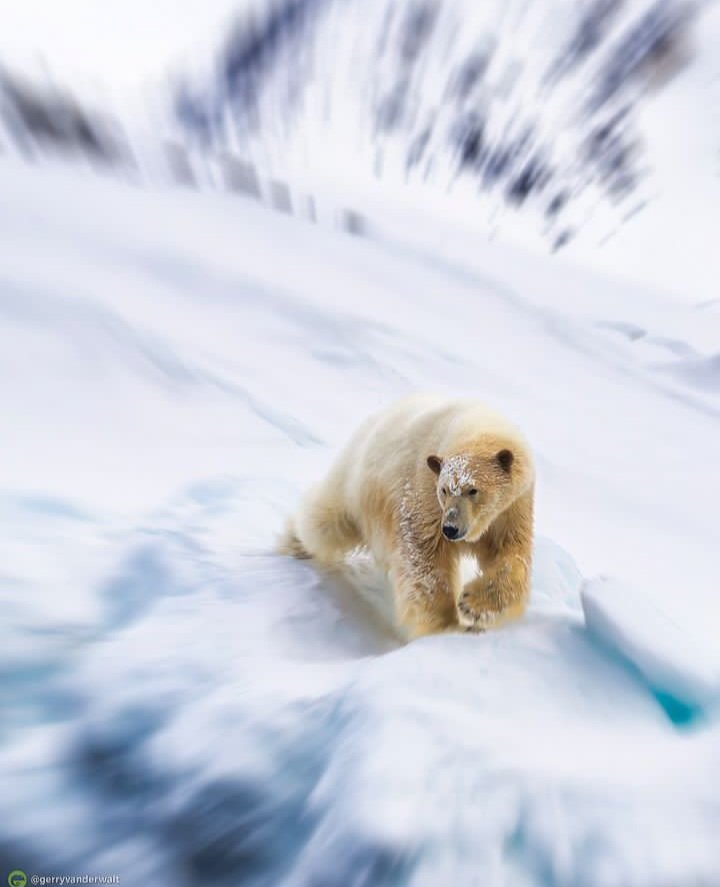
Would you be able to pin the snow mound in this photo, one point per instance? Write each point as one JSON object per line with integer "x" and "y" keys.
{"x": 253, "y": 723}
{"x": 685, "y": 677}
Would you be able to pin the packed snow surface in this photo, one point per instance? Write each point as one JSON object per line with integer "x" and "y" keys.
{"x": 182, "y": 706}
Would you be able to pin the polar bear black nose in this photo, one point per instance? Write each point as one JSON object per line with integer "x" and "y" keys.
{"x": 450, "y": 532}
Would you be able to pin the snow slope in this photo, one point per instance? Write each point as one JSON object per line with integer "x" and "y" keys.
{"x": 181, "y": 705}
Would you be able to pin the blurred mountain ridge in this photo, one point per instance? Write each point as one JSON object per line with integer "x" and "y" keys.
{"x": 515, "y": 103}
{"x": 503, "y": 106}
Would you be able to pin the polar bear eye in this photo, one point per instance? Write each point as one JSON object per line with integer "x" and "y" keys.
{"x": 444, "y": 491}
{"x": 472, "y": 491}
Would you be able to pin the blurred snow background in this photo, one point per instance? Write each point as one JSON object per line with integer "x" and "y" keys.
{"x": 540, "y": 123}
{"x": 229, "y": 231}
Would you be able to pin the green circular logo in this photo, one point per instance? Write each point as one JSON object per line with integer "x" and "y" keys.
{"x": 18, "y": 878}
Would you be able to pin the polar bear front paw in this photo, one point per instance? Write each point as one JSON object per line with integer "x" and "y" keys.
{"x": 480, "y": 605}
{"x": 473, "y": 614}
{"x": 491, "y": 601}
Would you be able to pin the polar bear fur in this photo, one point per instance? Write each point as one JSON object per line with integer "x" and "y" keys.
{"x": 421, "y": 469}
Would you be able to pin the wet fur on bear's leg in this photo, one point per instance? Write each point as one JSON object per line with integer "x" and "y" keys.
{"x": 504, "y": 552}
{"x": 425, "y": 590}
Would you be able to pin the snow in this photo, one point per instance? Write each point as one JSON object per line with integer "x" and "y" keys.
{"x": 117, "y": 44}
{"x": 455, "y": 474}
{"x": 672, "y": 661}
{"x": 182, "y": 705}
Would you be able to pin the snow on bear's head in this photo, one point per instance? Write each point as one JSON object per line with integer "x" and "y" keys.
{"x": 472, "y": 490}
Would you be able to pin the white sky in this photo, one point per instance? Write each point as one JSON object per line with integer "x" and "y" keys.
{"x": 122, "y": 42}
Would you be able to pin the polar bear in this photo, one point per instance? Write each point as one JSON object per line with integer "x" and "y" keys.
{"x": 420, "y": 485}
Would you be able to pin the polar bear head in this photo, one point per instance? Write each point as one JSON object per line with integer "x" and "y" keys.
{"x": 472, "y": 489}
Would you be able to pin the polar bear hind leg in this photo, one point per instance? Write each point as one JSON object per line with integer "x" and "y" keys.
{"x": 321, "y": 529}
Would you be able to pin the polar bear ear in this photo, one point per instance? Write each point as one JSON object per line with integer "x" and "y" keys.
{"x": 505, "y": 459}
{"x": 434, "y": 464}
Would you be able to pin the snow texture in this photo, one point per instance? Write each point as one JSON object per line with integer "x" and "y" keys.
{"x": 456, "y": 474}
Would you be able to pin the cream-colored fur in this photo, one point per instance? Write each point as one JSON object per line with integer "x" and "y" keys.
{"x": 422, "y": 464}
